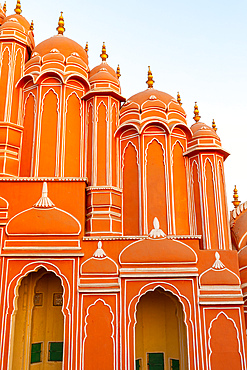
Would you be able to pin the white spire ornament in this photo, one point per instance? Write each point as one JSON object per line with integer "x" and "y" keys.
{"x": 99, "y": 253}
{"x": 218, "y": 265}
{"x": 44, "y": 201}
{"x": 156, "y": 232}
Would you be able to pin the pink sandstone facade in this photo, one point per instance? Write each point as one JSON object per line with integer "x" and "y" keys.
{"x": 116, "y": 251}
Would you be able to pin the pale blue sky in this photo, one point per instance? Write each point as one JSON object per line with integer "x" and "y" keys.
{"x": 198, "y": 48}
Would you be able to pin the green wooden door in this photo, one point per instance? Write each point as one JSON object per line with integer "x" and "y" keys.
{"x": 156, "y": 361}
{"x": 174, "y": 364}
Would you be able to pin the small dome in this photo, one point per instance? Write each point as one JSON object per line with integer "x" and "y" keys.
{"x": 19, "y": 19}
{"x": 64, "y": 45}
{"x": 104, "y": 65}
{"x": 103, "y": 75}
{"x": 199, "y": 129}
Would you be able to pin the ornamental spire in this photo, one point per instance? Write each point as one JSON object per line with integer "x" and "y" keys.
{"x": 32, "y": 26}
{"x": 179, "y": 99}
{"x": 86, "y": 47}
{"x": 18, "y": 7}
{"x": 118, "y": 72}
{"x": 4, "y": 7}
{"x": 60, "y": 29}
{"x": 150, "y": 81}
{"x": 214, "y": 125}
{"x": 103, "y": 55}
{"x": 235, "y": 201}
{"x": 196, "y": 113}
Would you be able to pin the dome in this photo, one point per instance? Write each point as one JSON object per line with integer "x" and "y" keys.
{"x": 17, "y": 18}
{"x": 64, "y": 45}
{"x": 200, "y": 129}
{"x": 145, "y": 95}
{"x": 103, "y": 75}
{"x": 152, "y": 104}
{"x": 153, "y": 95}
{"x": 104, "y": 65}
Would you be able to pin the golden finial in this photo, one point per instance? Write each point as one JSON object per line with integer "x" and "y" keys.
{"x": 214, "y": 125}
{"x": 235, "y": 201}
{"x": 32, "y": 26}
{"x": 4, "y": 7}
{"x": 196, "y": 113}
{"x": 150, "y": 80}
{"x": 103, "y": 55}
{"x": 86, "y": 47}
{"x": 179, "y": 99}
{"x": 118, "y": 72}
{"x": 60, "y": 28}
{"x": 18, "y": 7}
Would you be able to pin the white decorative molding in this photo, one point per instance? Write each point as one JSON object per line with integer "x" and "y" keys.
{"x": 156, "y": 232}
{"x": 218, "y": 265}
{"x": 54, "y": 51}
{"x": 44, "y": 201}
{"x": 152, "y": 97}
{"x": 34, "y": 54}
{"x": 99, "y": 253}
{"x": 241, "y": 208}
{"x": 75, "y": 54}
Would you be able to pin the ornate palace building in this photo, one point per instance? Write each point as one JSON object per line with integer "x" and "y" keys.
{"x": 116, "y": 251}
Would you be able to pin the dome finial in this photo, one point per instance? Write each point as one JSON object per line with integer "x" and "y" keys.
{"x": 179, "y": 99}
{"x": 18, "y": 7}
{"x": 86, "y": 47}
{"x": 60, "y": 29}
{"x": 196, "y": 113}
{"x": 32, "y": 26}
{"x": 103, "y": 55}
{"x": 4, "y": 7}
{"x": 235, "y": 201}
{"x": 150, "y": 80}
{"x": 118, "y": 72}
{"x": 214, "y": 125}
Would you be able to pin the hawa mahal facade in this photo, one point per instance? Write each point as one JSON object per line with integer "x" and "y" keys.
{"x": 116, "y": 249}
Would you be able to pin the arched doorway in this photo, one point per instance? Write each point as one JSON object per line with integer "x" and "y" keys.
{"x": 160, "y": 333}
{"x": 38, "y": 323}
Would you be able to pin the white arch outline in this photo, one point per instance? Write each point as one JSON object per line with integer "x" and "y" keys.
{"x": 209, "y": 337}
{"x": 112, "y": 325}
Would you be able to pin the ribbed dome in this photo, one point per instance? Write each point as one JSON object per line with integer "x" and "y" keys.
{"x": 64, "y": 45}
